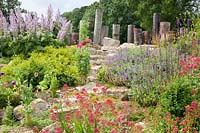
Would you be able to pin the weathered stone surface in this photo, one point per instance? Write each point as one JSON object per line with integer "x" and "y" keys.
{"x": 110, "y": 44}
{"x": 156, "y": 24}
{"x": 164, "y": 29}
{"x": 98, "y": 26}
{"x": 116, "y": 31}
{"x": 104, "y": 32}
{"x": 88, "y": 87}
{"x": 51, "y": 128}
{"x": 19, "y": 112}
{"x": 130, "y": 35}
{"x": 92, "y": 78}
{"x": 127, "y": 45}
{"x": 38, "y": 106}
{"x": 117, "y": 92}
{"x": 21, "y": 130}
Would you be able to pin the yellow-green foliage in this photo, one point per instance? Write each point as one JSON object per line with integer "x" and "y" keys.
{"x": 61, "y": 63}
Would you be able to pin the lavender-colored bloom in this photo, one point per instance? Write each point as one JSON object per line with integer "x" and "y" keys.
{"x": 5, "y": 26}
{"x": 149, "y": 42}
{"x": 49, "y": 15}
{"x": 178, "y": 22}
{"x": 188, "y": 22}
{"x": 13, "y": 24}
{"x": 57, "y": 18}
{"x": 13, "y": 83}
{"x": 19, "y": 20}
{"x": 36, "y": 74}
{"x": 62, "y": 33}
{"x": 198, "y": 41}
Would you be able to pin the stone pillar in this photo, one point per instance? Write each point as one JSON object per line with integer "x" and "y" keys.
{"x": 130, "y": 34}
{"x": 156, "y": 24}
{"x": 80, "y": 26}
{"x": 69, "y": 38}
{"x": 145, "y": 37}
{"x": 136, "y": 35}
{"x": 164, "y": 29}
{"x": 116, "y": 31}
{"x": 74, "y": 38}
{"x": 140, "y": 37}
{"x": 98, "y": 26}
{"x": 71, "y": 28}
{"x": 104, "y": 32}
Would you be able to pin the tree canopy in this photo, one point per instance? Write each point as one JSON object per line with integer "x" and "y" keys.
{"x": 7, "y": 5}
{"x": 137, "y": 12}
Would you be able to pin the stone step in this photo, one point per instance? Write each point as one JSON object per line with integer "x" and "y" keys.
{"x": 97, "y": 62}
{"x": 95, "y": 57}
{"x": 94, "y": 69}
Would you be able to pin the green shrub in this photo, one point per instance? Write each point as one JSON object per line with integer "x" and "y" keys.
{"x": 67, "y": 64}
{"x": 178, "y": 94}
{"x": 8, "y": 118}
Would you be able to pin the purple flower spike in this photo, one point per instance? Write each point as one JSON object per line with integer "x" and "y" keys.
{"x": 178, "y": 22}
{"x": 36, "y": 74}
{"x": 188, "y": 22}
{"x": 13, "y": 83}
{"x": 198, "y": 41}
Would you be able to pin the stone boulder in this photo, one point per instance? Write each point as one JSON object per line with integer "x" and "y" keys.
{"x": 38, "y": 106}
{"x": 127, "y": 46}
{"x": 110, "y": 44}
{"x": 19, "y": 112}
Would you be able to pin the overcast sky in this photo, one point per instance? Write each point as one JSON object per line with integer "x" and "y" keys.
{"x": 40, "y": 6}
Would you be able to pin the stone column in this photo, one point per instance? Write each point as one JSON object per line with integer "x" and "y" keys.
{"x": 164, "y": 29}
{"x": 145, "y": 37}
{"x": 136, "y": 35}
{"x": 104, "y": 32}
{"x": 80, "y": 26}
{"x": 156, "y": 24}
{"x": 116, "y": 31}
{"x": 71, "y": 28}
{"x": 140, "y": 37}
{"x": 75, "y": 38}
{"x": 130, "y": 34}
{"x": 98, "y": 26}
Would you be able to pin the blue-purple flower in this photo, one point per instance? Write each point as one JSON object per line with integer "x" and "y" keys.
{"x": 198, "y": 41}
{"x": 178, "y": 22}
{"x": 188, "y": 22}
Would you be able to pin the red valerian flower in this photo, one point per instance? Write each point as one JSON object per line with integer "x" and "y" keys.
{"x": 53, "y": 116}
{"x": 65, "y": 86}
{"x": 194, "y": 105}
{"x": 91, "y": 117}
{"x": 113, "y": 131}
{"x": 130, "y": 123}
{"x": 58, "y": 130}
{"x": 68, "y": 118}
{"x": 96, "y": 130}
{"x": 175, "y": 129}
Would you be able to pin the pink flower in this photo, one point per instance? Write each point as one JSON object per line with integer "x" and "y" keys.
{"x": 113, "y": 131}
{"x": 77, "y": 113}
{"x": 194, "y": 105}
{"x": 103, "y": 89}
{"x": 53, "y": 116}
{"x": 175, "y": 129}
{"x": 58, "y": 130}
{"x": 194, "y": 91}
{"x": 130, "y": 123}
{"x": 96, "y": 130}
{"x": 95, "y": 89}
{"x": 65, "y": 86}
{"x": 177, "y": 118}
{"x": 91, "y": 118}
{"x": 67, "y": 103}
{"x": 67, "y": 118}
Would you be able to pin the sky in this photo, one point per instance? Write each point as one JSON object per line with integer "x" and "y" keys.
{"x": 40, "y": 6}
